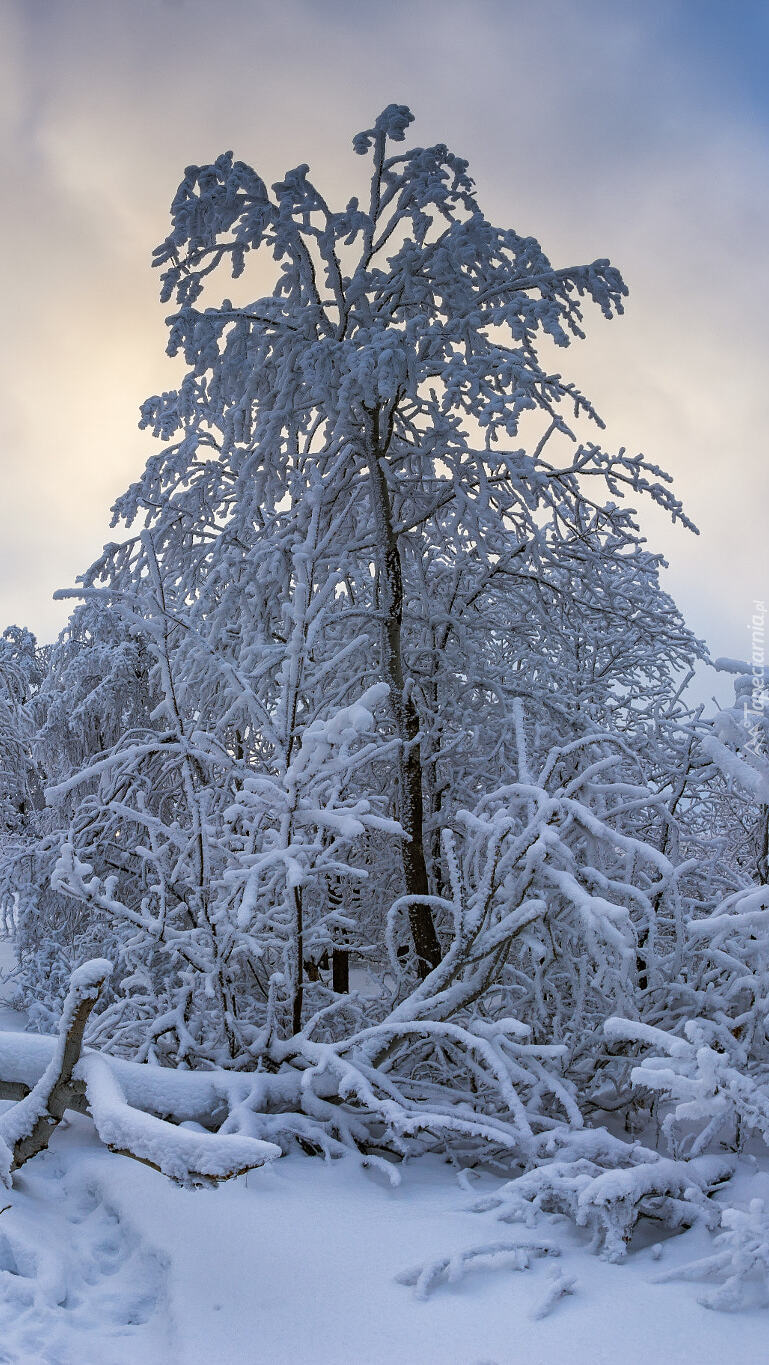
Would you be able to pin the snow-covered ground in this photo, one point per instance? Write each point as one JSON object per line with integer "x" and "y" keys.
{"x": 104, "y": 1262}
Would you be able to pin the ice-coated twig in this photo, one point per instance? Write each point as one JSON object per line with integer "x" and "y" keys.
{"x": 491, "y": 1256}
{"x": 559, "y": 1286}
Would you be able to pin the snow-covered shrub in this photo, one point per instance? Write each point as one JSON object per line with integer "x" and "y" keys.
{"x": 740, "y": 1262}
{"x": 605, "y": 1185}
{"x": 219, "y": 887}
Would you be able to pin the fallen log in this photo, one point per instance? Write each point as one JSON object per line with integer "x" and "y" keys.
{"x": 203, "y": 1097}
{"x": 184, "y": 1155}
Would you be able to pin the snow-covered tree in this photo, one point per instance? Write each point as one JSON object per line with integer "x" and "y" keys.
{"x": 22, "y": 670}
{"x": 367, "y": 752}
{"x": 381, "y": 672}
{"x": 390, "y": 375}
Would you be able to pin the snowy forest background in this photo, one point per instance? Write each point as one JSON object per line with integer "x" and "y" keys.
{"x": 383, "y": 859}
{"x": 368, "y": 758}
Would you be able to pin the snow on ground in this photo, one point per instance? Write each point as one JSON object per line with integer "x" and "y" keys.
{"x": 104, "y": 1262}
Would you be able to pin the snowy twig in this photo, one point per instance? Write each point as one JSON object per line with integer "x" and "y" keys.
{"x": 492, "y": 1256}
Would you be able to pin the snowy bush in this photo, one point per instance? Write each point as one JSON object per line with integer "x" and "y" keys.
{"x": 740, "y": 1263}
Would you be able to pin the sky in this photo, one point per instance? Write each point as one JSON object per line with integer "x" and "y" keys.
{"x": 602, "y": 127}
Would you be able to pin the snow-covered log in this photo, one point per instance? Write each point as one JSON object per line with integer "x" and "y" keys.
{"x": 190, "y": 1156}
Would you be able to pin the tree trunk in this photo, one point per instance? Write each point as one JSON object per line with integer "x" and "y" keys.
{"x": 297, "y": 985}
{"x": 53, "y": 1093}
{"x": 389, "y": 602}
{"x": 763, "y": 854}
{"x": 340, "y": 957}
{"x": 340, "y": 971}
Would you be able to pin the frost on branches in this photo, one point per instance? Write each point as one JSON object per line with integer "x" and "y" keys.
{"x": 367, "y": 752}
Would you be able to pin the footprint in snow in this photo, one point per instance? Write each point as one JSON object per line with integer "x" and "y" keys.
{"x": 77, "y": 1285}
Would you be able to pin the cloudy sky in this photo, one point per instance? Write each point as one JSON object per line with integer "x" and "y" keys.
{"x": 638, "y": 131}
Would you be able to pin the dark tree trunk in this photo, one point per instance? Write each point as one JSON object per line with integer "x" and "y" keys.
{"x": 763, "y": 853}
{"x": 340, "y": 971}
{"x": 340, "y": 957}
{"x": 298, "y": 983}
{"x": 389, "y": 602}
